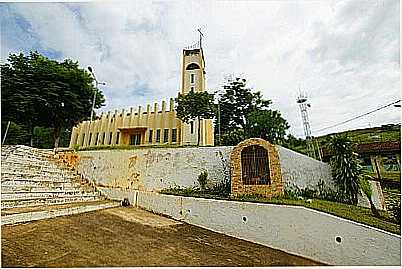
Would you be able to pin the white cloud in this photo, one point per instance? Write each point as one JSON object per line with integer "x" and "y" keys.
{"x": 344, "y": 54}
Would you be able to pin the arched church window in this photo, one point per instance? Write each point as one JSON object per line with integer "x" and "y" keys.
{"x": 255, "y": 166}
{"x": 192, "y": 66}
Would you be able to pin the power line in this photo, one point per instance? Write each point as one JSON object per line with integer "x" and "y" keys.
{"x": 365, "y": 114}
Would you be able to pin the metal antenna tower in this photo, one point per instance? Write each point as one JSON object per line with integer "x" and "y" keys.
{"x": 303, "y": 105}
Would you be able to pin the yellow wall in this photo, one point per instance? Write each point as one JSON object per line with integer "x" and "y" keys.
{"x": 115, "y": 123}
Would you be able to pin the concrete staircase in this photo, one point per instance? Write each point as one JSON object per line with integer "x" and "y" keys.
{"x": 32, "y": 177}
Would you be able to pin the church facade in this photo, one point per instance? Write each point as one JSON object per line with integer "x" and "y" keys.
{"x": 154, "y": 125}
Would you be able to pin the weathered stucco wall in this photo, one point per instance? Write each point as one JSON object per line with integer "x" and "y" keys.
{"x": 154, "y": 169}
{"x": 302, "y": 171}
{"x": 296, "y": 230}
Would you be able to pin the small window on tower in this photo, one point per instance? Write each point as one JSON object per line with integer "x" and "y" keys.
{"x": 192, "y": 66}
{"x": 192, "y": 88}
{"x": 192, "y": 78}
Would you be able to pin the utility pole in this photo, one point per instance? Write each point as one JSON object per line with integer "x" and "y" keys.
{"x": 219, "y": 122}
{"x": 5, "y": 134}
{"x": 93, "y": 101}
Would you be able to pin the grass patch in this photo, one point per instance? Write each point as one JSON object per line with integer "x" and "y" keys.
{"x": 355, "y": 213}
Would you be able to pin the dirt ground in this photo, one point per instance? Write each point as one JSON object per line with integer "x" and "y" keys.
{"x": 129, "y": 237}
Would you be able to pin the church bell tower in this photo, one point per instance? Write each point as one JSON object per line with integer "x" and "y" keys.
{"x": 193, "y": 79}
{"x": 193, "y": 70}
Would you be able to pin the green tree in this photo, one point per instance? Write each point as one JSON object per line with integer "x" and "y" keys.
{"x": 37, "y": 91}
{"x": 20, "y": 92}
{"x": 233, "y": 137}
{"x": 195, "y": 105}
{"x": 345, "y": 167}
{"x": 244, "y": 114}
{"x": 16, "y": 135}
{"x": 296, "y": 144}
{"x": 236, "y": 103}
{"x": 267, "y": 124}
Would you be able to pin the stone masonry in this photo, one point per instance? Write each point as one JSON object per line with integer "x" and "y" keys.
{"x": 237, "y": 186}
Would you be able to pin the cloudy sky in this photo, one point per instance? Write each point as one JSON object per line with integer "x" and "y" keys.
{"x": 344, "y": 54}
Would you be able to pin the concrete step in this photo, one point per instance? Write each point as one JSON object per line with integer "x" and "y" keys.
{"x": 46, "y": 195}
{"x": 55, "y": 180}
{"x": 47, "y": 201}
{"x": 53, "y": 211}
{"x": 32, "y": 172}
{"x": 8, "y": 165}
{"x": 23, "y": 160}
{"x": 40, "y": 190}
{"x": 32, "y": 177}
{"x": 29, "y": 185}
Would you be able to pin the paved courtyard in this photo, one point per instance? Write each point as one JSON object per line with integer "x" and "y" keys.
{"x": 130, "y": 237}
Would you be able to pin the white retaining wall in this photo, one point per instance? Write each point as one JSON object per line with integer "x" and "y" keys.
{"x": 302, "y": 171}
{"x": 154, "y": 168}
{"x": 293, "y": 229}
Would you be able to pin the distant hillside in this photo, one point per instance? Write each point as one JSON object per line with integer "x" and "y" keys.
{"x": 388, "y": 132}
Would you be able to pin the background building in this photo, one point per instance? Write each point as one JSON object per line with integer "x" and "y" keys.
{"x": 152, "y": 126}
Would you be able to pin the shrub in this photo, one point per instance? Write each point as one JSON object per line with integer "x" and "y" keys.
{"x": 76, "y": 147}
{"x": 345, "y": 167}
{"x": 318, "y": 192}
{"x": 203, "y": 180}
{"x": 221, "y": 189}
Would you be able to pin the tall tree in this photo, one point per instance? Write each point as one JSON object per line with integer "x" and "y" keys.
{"x": 267, "y": 124}
{"x": 236, "y": 103}
{"x": 37, "y": 91}
{"x": 20, "y": 92}
{"x": 195, "y": 105}
{"x": 244, "y": 114}
{"x": 296, "y": 144}
{"x": 345, "y": 167}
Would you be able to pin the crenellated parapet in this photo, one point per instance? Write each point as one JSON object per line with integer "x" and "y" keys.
{"x": 157, "y": 125}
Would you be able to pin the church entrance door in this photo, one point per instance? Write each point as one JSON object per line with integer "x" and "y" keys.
{"x": 135, "y": 139}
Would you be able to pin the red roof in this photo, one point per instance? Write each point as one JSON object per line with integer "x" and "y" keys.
{"x": 388, "y": 146}
{"x": 373, "y": 147}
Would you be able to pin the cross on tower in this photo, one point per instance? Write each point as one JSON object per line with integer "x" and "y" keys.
{"x": 201, "y": 35}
